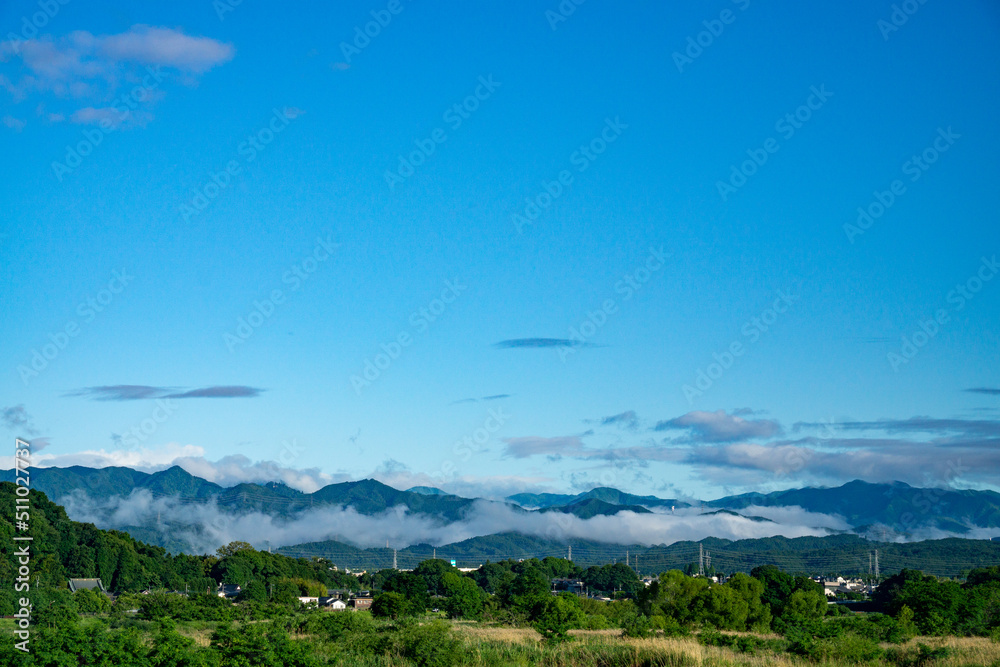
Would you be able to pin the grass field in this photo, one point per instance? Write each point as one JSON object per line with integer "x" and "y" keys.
{"x": 500, "y": 646}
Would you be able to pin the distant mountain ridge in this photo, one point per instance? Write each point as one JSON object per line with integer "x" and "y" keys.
{"x": 603, "y": 493}
{"x": 881, "y": 511}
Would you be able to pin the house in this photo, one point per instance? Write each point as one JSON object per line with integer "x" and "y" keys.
{"x": 87, "y": 584}
{"x": 360, "y": 603}
{"x": 574, "y": 586}
{"x": 228, "y": 590}
{"x": 338, "y": 592}
{"x": 305, "y": 599}
{"x": 338, "y": 605}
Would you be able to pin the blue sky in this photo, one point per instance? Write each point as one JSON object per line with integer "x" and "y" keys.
{"x": 642, "y": 137}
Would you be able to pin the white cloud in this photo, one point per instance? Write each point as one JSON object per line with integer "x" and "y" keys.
{"x": 164, "y": 46}
{"x": 205, "y": 527}
{"x": 721, "y": 427}
{"x": 82, "y": 67}
{"x": 15, "y": 124}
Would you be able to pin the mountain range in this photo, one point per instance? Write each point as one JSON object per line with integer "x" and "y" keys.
{"x": 880, "y": 511}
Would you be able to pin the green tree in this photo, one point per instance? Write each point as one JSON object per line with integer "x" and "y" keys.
{"x": 806, "y": 605}
{"x": 672, "y": 595}
{"x": 554, "y": 615}
{"x": 91, "y": 602}
{"x": 464, "y": 598}
{"x": 411, "y": 586}
{"x": 778, "y": 586}
{"x": 752, "y": 591}
{"x": 389, "y": 605}
{"x": 432, "y": 571}
{"x": 722, "y": 607}
{"x": 286, "y": 592}
{"x": 254, "y": 591}
{"x": 234, "y": 548}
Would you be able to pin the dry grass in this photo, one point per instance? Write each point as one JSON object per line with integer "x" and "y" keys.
{"x": 963, "y": 651}
{"x": 499, "y": 634}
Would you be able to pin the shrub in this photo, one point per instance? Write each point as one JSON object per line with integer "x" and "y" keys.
{"x": 431, "y": 645}
{"x": 637, "y": 626}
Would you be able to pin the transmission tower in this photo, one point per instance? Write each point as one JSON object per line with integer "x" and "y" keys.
{"x": 876, "y": 565}
{"x": 394, "y": 559}
{"x": 701, "y": 561}
{"x": 569, "y": 556}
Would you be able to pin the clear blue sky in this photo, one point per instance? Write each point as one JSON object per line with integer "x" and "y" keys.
{"x": 345, "y": 119}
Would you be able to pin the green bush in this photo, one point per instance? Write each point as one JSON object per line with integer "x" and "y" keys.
{"x": 431, "y": 645}
{"x": 638, "y": 626}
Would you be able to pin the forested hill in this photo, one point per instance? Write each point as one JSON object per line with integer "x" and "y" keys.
{"x": 63, "y": 549}
{"x": 835, "y": 554}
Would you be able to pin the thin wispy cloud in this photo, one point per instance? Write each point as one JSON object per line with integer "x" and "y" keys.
{"x": 495, "y": 397}
{"x": 16, "y": 418}
{"x": 989, "y": 391}
{"x": 524, "y": 447}
{"x": 136, "y": 392}
{"x": 236, "y": 391}
{"x": 15, "y": 124}
{"x": 538, "y": 343}
{"x": 628, "y": 420}
{"x": 720, "y": 427}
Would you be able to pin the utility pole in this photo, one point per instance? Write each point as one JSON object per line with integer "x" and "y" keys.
{"x": 701, "y": 561}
